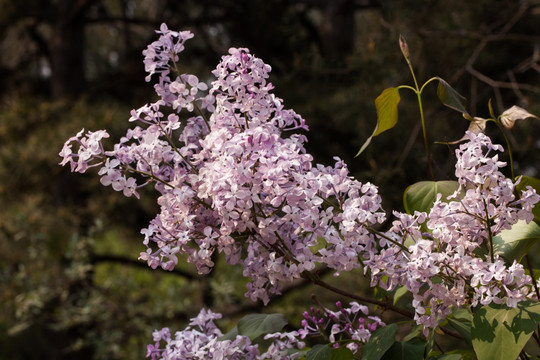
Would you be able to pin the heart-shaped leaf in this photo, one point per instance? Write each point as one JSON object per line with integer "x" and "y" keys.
{"x": 512, "y": 244}
{"x": 499, "y": 332}
{"x": 421, "y": 195}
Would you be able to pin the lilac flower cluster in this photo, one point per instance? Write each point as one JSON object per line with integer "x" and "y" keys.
{"x": 350, "y": 325}
{"x": 454, "y": 264}
{"x": 234, "y": 177}
{"x": 238, "y": 181}
{"x": 201, "y": 340}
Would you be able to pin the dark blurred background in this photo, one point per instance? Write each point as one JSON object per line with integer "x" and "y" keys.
{"x": 71, "y": 287}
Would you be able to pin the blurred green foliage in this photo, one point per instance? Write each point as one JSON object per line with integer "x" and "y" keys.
{"x": 71, "y": 285}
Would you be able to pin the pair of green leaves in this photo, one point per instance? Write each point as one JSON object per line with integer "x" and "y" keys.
{"x": 387, "y": 102}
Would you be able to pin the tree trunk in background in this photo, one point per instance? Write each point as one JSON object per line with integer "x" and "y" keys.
{"x": 67, "y": 49}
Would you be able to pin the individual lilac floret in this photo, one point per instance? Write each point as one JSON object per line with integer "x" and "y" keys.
{"x": 444, "y": 269}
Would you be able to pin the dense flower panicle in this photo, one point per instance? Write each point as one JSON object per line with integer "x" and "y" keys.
{"x": 442, "y": 269}
{"x": 201, "y": 341}
{"x": 238, "y": 181}
{"x": 234, "y": 177}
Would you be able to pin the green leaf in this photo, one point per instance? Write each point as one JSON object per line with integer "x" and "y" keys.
{"x": 400, "y": 291}
{"x": 380, "y": 341}
{"x": 451, "y": 97}
{"x": 490, "y": 108}
{"x": 254, "y": 325}
{"x": 463, "y": 328}
{"x": 535, "y": 184}
{"x": 319, "y": 352}
{"x": 455, "y": 355}
{"x": 499, "y": 332}
{"x": 410, "y": 350}
{"x": 230, "y": 335}
{"x": 341, "y": 353}
{"x": 387, "y": 110}
{"x": 386, "y": 105}
{"x": 415, "y": 332}
{"x": 422, "y": 195}
{"x": 512, "y": 244}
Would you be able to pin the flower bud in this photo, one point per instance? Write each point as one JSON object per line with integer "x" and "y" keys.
{"x": 404, "y": 47}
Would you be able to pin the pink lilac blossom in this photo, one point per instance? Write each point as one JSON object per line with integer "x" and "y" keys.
{"x": 350, "y": 325}
{"x": 235, "y": 179}
{"x": 443, "y": 269}
{"x": 201, "y": 340}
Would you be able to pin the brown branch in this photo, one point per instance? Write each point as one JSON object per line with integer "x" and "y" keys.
{"x": 500, "y": 84}
{"x": 383, "y": 304}
{"x": 139, "y": 264}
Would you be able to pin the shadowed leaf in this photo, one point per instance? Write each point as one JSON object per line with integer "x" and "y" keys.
{"x": 421, "y": 195}
{"x": 512, "y": 244}
{"x": 451, "y": 97}
{"x": 499, "y": 332}
{"x": 380, "y": 341}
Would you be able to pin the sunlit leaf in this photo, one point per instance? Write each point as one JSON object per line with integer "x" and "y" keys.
{"x": 254, "y": 325}
{"x": 499, "y": 332}
{"x": 535, "y": 184}
{"x": 421, "y": 195}
{"x": 380, "y": 341}
{"x": 451, "y": 97}
{"x": 387, "y": 110}
{"x": 387, "y": 113}
{"x": 513, "y": 244}
{"x": 515, "y": 113}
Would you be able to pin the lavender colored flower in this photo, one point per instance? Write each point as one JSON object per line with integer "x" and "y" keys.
{"x": 444, "y": 269}
{"x": 350, "y": 325}
{"x": 235, "y": 179}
